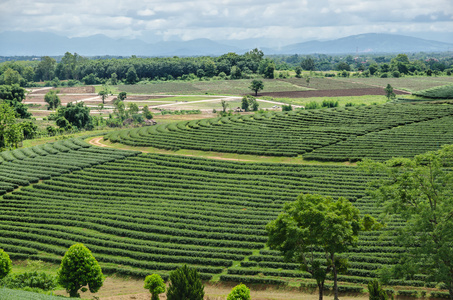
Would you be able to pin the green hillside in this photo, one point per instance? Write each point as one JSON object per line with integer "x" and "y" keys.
{"x": 307, "y": 132}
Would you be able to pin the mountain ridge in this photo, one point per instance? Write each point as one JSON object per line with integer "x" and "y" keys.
{"x": 42, "y": 43}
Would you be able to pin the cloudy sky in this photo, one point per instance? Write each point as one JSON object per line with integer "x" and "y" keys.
{"x": 292, "y": 20}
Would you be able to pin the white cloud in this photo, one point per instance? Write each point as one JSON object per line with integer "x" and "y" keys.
{"x": 226, "y": 19}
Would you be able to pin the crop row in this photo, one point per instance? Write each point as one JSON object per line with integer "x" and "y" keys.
{"x": 280, "y": 134}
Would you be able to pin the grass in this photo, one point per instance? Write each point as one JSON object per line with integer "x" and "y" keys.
{"x": 51, "y": 139}
{"x": 356, "y": 100}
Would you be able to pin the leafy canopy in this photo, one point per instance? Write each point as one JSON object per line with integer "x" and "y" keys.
{"x": 155, "y": 284}
{"x": 185, "y": 284}
{"x": 78, "y": 269}
{"x": 420, "y": 190}
{"x": 5, "y": 264}
{"x": 313, "y": 222}
{"x": 239, "y": 292}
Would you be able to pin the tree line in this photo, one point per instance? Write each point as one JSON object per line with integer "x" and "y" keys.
{"x": 74, "y": 67}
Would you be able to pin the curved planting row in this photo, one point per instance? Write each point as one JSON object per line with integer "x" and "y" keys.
{"x": 403, "y": 141}
{"x": 283, "y": 133}
{"x": 155, "y": 212}
{"x": 29, "y": 165}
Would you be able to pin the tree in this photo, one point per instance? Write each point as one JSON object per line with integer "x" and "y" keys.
{"x": 104, "y": 93}
{"x": 389, "y": 92}
{"x": 376, "y": 291}
{"x": 308, "y": 64}
{"x": 5, "y": 264}
{"x": 185, "y": 283}
{"x": 52, "y": 99}
{"x": 419, "y": 190}
{"x": 147, "y": 113}
{"x": 343, "y": 66}
{"x": 224, "y": 105}
{"x": 298, "y": 71}
{"x": 155, "y": 285}
{"x": 114, "y": 79}
{"x": 122, "y": 96}
{"x": 239, "y": 292}
{"x": 14, "y": 95}
{"x": 235, "y": 72}
{"x": 307, "y": 80}
{"x": 46, "y": 68}
{"x": 10, "y": 132}
{"x": 316, "y": 222}
{"x": 245, "y": 104}
{"x": 77, "y": 114}
{"x": 11, "y": 76}
{"x": 256, "y": 85}
{"x": 79, "y": 269}
{"x": 131, "y": 76}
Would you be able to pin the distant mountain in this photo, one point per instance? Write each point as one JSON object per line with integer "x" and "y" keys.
{"x": 41, "y": 43}
{"x": 369, "y": 42}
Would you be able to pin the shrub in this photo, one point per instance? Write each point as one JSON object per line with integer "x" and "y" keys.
{"x": 376, "y": 292}
{"x": 239, "y": 292}
{"x": 5, "y": 264}
{"x": 312, "y": 105}
{"x": 155, "y": 285}
{"x": 185, "y": 283}
{"x": 34, "y": 279}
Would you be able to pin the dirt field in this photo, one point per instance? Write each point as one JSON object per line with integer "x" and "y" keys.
{"x": 117, "y": 288}
{"x": 330, "y": 93}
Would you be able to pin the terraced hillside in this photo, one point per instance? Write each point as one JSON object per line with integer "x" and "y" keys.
{"x": 339, "y": 134}
{"x": 154, "y": 212}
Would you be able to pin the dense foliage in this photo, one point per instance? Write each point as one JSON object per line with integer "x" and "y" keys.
{"x": 5, "y": 264}
{"x": 185, "y": 284}
{"x": 79, "y": 269}
{"x": 155, "y": 285}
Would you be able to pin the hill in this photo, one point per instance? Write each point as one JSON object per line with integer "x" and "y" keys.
{"x": 15, "y": 43}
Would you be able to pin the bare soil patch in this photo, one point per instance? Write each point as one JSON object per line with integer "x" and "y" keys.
{"x": 39, "y": 98}
{"x": 330, "y": 93}
{"x": 117, "y": 288}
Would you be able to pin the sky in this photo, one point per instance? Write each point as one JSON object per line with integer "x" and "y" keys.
{"x": 289, "y": 20}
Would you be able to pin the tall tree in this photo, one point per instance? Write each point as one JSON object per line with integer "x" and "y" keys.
{"x": 52, "y": 99}
{"x": 315, "y": 222}
{"x": 256, "y": 85}
{"x": 308, "y": 64}
{"x": 14, "y": 95}
{"x": 389, "y": 92}
{"x": 77, "y": 114}
{"x": 10, "y": 131}
{"x": 46, "y": 68}
{"x": 420, "y": 190}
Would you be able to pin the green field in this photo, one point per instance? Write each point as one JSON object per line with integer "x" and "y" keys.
{"x": 411, "y": 84}
{"x": 308, "y": 132}
{"x": 213, "y": 87}
{"x": 142, "y": 213}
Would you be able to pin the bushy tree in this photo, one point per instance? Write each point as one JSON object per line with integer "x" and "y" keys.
{"x": 79, "y": 269}
{"x": 77, "y": 114}
{"x": 315, "y": 222}
{"x": 52, "y": 99}
{"x": 122, "y": 96}
{"x": 131, "y": 76}
{"x": 14, "y": 95}
{"x": 420, "y": 191}
{"x": 185, "y": 284}
{"x": 239, "y": 292}
{"x": 147, "y": 113}
{"x": 376, "y": 291}
{"x": 155, "y": 284}
{"x": 256, "y": 85}
{"x": 5, "y": 264}
{"x": 10, "y": 131}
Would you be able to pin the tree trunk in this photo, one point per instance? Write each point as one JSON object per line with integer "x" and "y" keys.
{"x": 450, "y": 290}
{"x": 335, "y": 275}
{"x": 321, "y": 289}
{"x": 256, "y": 93}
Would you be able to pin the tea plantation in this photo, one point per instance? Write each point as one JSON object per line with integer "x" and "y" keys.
{"x": 150, "y": 213}
{"x": 339, "y": 134}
